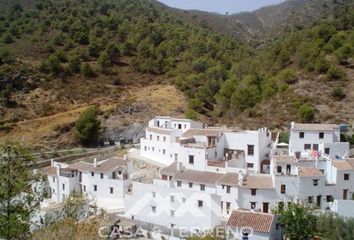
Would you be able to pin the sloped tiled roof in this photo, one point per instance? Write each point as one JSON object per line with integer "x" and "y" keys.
{"x": 284, "y": 159}
{"x": 229, "y": 179}
{"x": 210, "y": 132}
{"x": 314, "y": 127}
{"x": 310, "y": 172}
{"x": 159, "y": 130}
{"x": 259, "y": 222}
{"x": 342, "y": 165}
{"x": 107, "y": 165}
{"x": 50, "y": 170}
{"x": 202, "y": 177}
{"x": 259, "y": 182}
{"x": 351, "y": 162}
{"x": 170, "y": 170}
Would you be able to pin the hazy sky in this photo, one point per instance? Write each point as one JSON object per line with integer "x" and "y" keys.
{"x": 220, "y": 6}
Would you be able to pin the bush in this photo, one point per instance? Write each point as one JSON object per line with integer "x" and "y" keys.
{"x": 334, "y": 73}
{"x": 87, "y": 70}
{"x": 54, "y": 64}
{"x": 338, "y": 93}
{"x": 344, "y": 53}
{"x": 306, "y": 113}
{"x": 87, "y": 127}
{"x": 7, "y": 38}
{"x": 5, "y": 55}
{"x": 191, "y": 114}
{"x": 288, "y": 76}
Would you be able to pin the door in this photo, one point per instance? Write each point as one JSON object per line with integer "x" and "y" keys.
{"x": 265, "y": 207}
{"x": 319, "y": 201}
{"x": 345, "y": 194}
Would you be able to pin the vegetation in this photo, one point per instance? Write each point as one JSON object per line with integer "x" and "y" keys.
{"x": 88, "y": 126}
{"x": 17, "y": 201}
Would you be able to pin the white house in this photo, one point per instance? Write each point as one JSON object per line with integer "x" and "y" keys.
{"x": 254, "y": 226}
{"x": 322, "y": 138}
{"x": 103, "y": 182}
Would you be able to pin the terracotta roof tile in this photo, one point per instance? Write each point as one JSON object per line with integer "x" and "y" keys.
{"x": 171, "y": 170}
{"x": 159, "y": 130}
{"x": 314, "y": 127}
{"x": 310, "y": 172}
{"x": 50, "y": 170}
{"x": 351, "y": 162}
{"x": 107, "y": 165}
{"x": 259, "y": 222}
{"x": 342, "y": 165}
{"x": 211, "y": 132}
{"x": 229, "y": 179}
{"x": 202, "y": 177}
{"x": 259, "y": 182}
{"x": 284, "y": 159}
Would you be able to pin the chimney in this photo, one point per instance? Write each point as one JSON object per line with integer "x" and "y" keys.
{"x": 292, "y": 125}
{"x": 58, "y": 169}
{"x": 125, "y": 158}
{"x": 95, "y": 162}
{"x": 52, "y": 162}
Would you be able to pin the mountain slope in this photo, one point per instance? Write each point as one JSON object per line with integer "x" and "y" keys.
{"x": 265, "y": 23}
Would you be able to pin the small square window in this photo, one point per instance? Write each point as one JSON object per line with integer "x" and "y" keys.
{"x": 279, "y": 169}
{"x": 329, "y": 198}
{"x": 153, "y": 208}
{"x": 191, "y": 159}
{"x": 250, "y": 165}
{"x": 92, "y": 174}
{"x": 253, "y": 205}
{"x": 301, "y": 134}
{"x": 202, "y": 187}
{"x": 190, "y": 185}
{"x": 153, "y": 194}
{"x": 321, "y": 135}
{"x": 179, "y": 183}
{"x": 164, "y": 139}
{"x": 172, "y": 199}
{"x": 172, "y": 213}
{"x": 63, "y": 187}
{"x": 111, "y": 190}
{"x": 200, "y": 203}
{"x": 310, "y": 199}
{"x": 53, "y": 179}
{"x": 228, "y": 189}
{"x": 95, "y": 188}
{"x": 315, "y": 182}
{"x": 250, "y": 150}
{"x": 307, "y": 146}
{"x": 253, "y": 192}
{"x": 101, "y": 175}
{"x": 346, "y": 176}
{"x": 326, "y": 150}
{"x": 283, "y": 189}
{"x": 158, "y": 138}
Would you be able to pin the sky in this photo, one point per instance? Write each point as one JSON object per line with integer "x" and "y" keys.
{"x": 220, "y": 6}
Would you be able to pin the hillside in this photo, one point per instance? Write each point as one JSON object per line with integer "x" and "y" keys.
{"x": 264, "y": 24}
{"x": 135, "y": 60}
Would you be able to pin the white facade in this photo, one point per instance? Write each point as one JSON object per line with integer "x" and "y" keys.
{"x": 324, "y": 138}
{"x": 103, "y": 183}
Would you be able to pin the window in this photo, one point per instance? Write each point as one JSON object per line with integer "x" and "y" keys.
{"x": 321, "y": 135}
{"x": 191, "y": 159}
{"x": 92, "y": 174}
{"x": 183, "y": 199}
{"x": 228, "y": 189}
{"x": 114, "y": 176}
{"x": 172, "y": 213}
{"x": 84, "y": 188}
{"x": 53, "y": 179}
{"x": 326, "y": 150}
{"x": 153, "y": 208}
{"x": 253, "y": 205}
{"x": 310, "y": 199}
{"x": 153, "y": 194}
{"x": 283, "y": 189}
{"x": 164, "y": 139}
{"x": 200, "y": 203}
{"x": 111, "y": 190}
{"x": 190, "y": 185}
{"x": 163, "y": 151}
{"x": 172, "y": 225}
{"x": 101, "y": 175}
{"x": 250, "y": 150}
{"x": 145, "y": 148}
{"x": 179, "y": 126}
{"x": 281, "y": 206}
{"x": 150, "y": 136}
{"x": 250, "y": 165}
{"x": 315, "y": 182}
{"x": 95, "y": 188}
{"x": 301, "y": 134}
{"x": 179, "y": 183}
{"x": 158, "y": 138}
{"x": 202, "y": 187}
{"x": 307, "y": 146}
{"x": 153, "y": 148}
{"x": 185, "y": 126}
{"x": 63, "y": 187}
{"x": 329, "y": 198}
{"x": 315, "y": 147}
{"x": 172, "y": 199}
{"x": 346, "y": 176}
{"x": 253, "y": 192}
{"x": 279, "y": 169}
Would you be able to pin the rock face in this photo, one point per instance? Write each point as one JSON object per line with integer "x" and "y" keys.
{"x": 19, "y": 81}
{"x": 124, "y": 134}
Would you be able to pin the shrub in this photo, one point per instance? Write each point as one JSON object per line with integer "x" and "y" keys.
{"x": 338, "y": 93}
{"x": 54, "y": 64}
{"x": 87, "y": 70}
{"x": 306, "y": 113}
{"x": 288, "y": 76}
{"x": 334, "y": 73}
{"x": 5, "y": 55}
{"x": 344, "y": 53}
{"x": 191, "y": 114}
{"x": 87, "y": 127}
{"x": 7, "y": 38}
